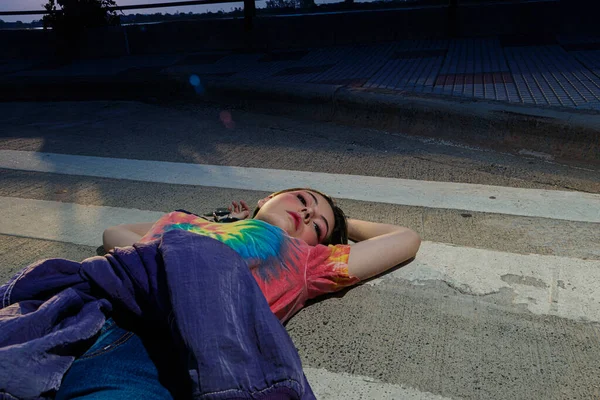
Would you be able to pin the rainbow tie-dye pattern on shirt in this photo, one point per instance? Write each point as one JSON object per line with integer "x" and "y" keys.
{"x": 288, "y": 270}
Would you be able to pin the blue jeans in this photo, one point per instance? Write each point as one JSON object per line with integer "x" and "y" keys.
{"x": 117, "y": 366}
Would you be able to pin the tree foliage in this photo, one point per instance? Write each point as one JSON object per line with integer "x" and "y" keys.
{"x": 290, "y": 4}
{"x": 71, "y": 17}
{"x": 281, "y": 3}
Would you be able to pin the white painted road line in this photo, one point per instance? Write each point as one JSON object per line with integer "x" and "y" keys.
{"x": 551, "y": 285}
{"x": 562, "y": 286}
{"x": 572, "y": 206}
{"x": 65, "y": 222}
{"x": 341, "y": 386}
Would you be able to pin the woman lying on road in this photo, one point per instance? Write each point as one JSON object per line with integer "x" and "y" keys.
{"x": 296, "y": 246}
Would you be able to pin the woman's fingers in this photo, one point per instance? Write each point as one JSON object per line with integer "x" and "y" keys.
{"x": 239, "y": 210}
{"x": 242, "y": 206}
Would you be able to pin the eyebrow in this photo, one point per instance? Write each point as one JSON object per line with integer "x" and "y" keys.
{"x": 317, "y": 203}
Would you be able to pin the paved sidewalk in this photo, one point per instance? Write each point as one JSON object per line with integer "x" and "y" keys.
{"x": 553, "y": 89}
{"x": 564, "y": 72}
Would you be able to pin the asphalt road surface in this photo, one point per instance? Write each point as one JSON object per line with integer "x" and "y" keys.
{"x": 502, "y": 301}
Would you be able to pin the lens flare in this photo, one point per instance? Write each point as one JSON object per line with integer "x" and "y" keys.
{"x": 196, "y": 84}
{"x": 227, "y": 119}
{"x": 194, "y": 80}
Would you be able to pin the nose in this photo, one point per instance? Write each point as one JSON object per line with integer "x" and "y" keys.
{"x": 307, "y": 214}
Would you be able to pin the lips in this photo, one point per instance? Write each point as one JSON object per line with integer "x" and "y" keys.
{"x": 296, "y": 218}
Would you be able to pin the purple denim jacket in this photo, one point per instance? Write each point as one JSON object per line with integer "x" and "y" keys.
{"x": 198, "y": 288}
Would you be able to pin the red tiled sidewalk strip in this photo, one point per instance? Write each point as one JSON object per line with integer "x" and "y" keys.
{"x": 477, "y": 79}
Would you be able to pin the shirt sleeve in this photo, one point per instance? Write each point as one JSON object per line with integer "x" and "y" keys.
{"x": 327, "y": 270}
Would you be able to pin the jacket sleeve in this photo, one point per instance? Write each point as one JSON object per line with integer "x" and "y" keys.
{"x": 238, "y": 347}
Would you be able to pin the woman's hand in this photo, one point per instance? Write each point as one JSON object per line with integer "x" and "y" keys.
{"x": 239, "y": 211}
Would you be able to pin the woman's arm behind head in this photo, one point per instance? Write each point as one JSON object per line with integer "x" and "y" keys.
{"x": 124, "y": 235}
{"x": 379, "y": 247}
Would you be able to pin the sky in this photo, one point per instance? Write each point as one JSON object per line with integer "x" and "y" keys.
{"x": 22, "y": 5}
{"x": 26, "y": 5}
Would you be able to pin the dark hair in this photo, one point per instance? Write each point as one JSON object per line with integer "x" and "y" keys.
{"x": 339, "y": 234}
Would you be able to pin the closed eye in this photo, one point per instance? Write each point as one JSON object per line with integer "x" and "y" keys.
{"x": 302, "y": 199}
{"x": 318, "y": 230}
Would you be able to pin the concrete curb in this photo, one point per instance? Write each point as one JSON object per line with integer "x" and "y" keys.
{"x": 551, "y": 133}
{"x": 64, "y": 88}
{"x": 555, "y": 133}
{"x": 314, "y": 101}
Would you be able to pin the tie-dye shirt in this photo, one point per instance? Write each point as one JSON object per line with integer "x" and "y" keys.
{"x": 288, "y": 270}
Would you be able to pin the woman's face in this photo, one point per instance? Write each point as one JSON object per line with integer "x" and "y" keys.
{"x": 302, "y": 214}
